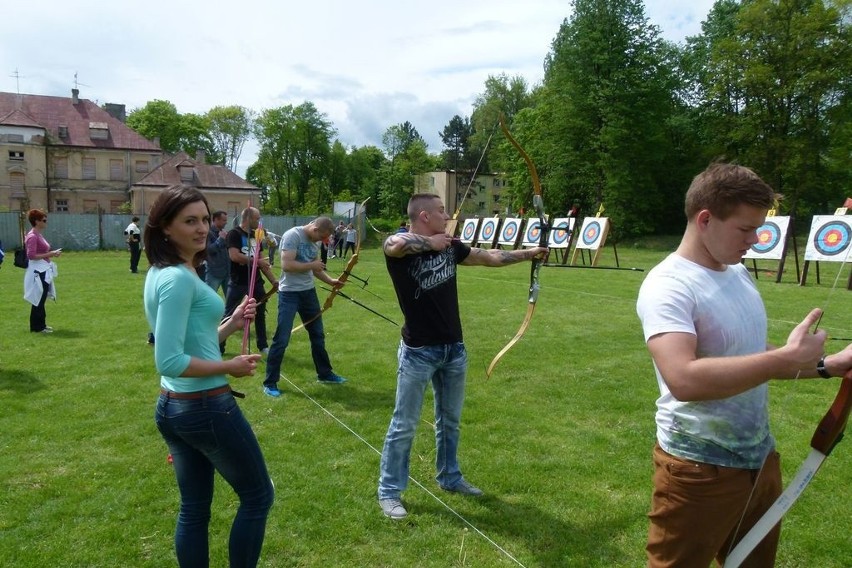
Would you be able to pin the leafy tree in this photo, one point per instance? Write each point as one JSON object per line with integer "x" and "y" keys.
{"x": 295, "y": 144}
{"x": 195, "y": 136}
{"x": 456, "y": 136}
{"x": 502, "y": 95}
{"x": 785, "y": 82}
{"x": 604, "y": 108}
{"x": 158, "y": 119}
{"x": 230, "y": 127}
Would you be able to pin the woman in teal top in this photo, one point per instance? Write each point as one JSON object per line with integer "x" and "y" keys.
{"x": 197, "y": 414}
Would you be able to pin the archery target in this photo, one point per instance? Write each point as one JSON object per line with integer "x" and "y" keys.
{"x": 510, "y": 231}
{"x": 560, "y": 233}
{"x": 771, "y": 237}
{"x": 593, "y": 234}
{"x": 829, "y": 239}
{"x": 468, "y": 233}
{"x": 488, "y": 230}
{"x": 533, "y": 232}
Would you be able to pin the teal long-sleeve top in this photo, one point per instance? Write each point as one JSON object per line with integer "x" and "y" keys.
{"x": 184, "y": 314}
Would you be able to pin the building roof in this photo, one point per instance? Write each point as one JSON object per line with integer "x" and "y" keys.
{"x": 205, "y": 176}
{"x": 77, "y": 118}
{"x": 18, "y": 117}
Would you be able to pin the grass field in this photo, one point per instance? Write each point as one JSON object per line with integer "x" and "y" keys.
{"x": 559, "y": 438}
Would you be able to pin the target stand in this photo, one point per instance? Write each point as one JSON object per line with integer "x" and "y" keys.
{"x": 774, "y": 237}
{"x": 592, "y": 238}
{"x": 561, "y": 236}
{"x": 828, "y": 241}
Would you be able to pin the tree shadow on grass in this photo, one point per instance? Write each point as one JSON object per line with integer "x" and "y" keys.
{"x": 19, "y": 381}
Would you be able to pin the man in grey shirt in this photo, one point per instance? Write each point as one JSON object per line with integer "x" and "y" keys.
{"x": 300, "y": 263}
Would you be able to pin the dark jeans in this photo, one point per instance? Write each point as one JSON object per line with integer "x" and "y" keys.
{"x": 38, "y": 315}
{"x": 135, "y": 253}
{"x": 204, "y": 436}
{"x": 235, "y": 296}
{"x": 304, "y": 303}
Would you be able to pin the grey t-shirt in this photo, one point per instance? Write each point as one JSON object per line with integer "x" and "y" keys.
{"x": 295, "y": 239}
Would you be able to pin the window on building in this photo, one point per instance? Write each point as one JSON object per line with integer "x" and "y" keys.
{"x": 16, "y": 155}
{"x": 115, "y": 206}
{"x": 60, "y": 167}
{"x": 186, "y": 173}
{"x": 89, "y": 170}
{"x": 142, "y": 166}
{"x": 98, "y": 130}
{"x": 234, "y": 207}
{"x": 431, "y": 181}
{"x": 60, "y": 205}
{"x": 90, "y": 206}
{"x": 16, "y": 181}
{"x": 495, "y": 182}
{"x": 496, "y": 198}
{"x": 116, "y": 170}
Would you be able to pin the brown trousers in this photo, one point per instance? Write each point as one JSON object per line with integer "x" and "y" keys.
{"x": 699, "y": 509}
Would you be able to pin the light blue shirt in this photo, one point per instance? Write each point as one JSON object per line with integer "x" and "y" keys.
{"x": 184, "y": 314}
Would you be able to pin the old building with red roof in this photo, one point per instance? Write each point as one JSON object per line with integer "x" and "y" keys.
{"x": 67, "y": 154}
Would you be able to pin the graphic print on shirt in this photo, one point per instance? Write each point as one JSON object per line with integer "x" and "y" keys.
{"x": 249, "y": 245}
{"x": 433, "y": 270}
{"x": 306, "y": 252}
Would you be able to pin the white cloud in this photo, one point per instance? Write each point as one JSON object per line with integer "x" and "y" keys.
{"x": 366, "y": 65}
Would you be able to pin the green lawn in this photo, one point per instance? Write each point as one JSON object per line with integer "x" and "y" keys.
{"x": 559, "y": 438}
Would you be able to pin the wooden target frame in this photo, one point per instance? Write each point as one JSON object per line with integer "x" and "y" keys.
{"x": 561, "y": 236}
{"x": 774, "y": 237}
{"x": 510, "y": 232}
{"x": 469, "y": 231}
{"x": 489, "y": 231}
{"x": 829, "y": 240}
{"x": 592, "y": 237}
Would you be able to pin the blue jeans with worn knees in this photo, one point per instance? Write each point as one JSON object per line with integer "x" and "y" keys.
{"x": 206, "y": 435}
{"x": 445, "y": 366}
{"x": 306, "y": 304}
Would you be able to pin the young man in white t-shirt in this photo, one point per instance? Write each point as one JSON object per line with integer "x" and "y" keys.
{"x": 705, "y": 326}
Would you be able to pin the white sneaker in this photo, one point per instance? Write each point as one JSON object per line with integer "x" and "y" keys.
{"x": 393, "y": 509}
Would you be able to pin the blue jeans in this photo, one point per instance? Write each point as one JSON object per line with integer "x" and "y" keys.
{"x": 305, "y": 304}
{"x": 206, "y": 435}
{"x": 216, "y": 282}
{"x": 445, "y": 367}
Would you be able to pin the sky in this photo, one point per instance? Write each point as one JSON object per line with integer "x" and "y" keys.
{"x": 365, "y": 65}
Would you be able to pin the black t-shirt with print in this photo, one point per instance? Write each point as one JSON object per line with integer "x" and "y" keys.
{"x": 425, "y": 285}
{"x": 239, "y": 239}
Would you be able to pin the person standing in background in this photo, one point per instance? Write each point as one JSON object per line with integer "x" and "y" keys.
{"x": 134, "y": 238}
{"x": 39, "y": 275}
{"x": 351, "y": 237}
{"x": 218, "y": 261}
{"x": 241, "y": 250}
{"x": 339, "y": 239}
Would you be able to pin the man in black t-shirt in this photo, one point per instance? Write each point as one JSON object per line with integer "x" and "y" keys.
{"x": 422, "y": 265}
{"x": 241, "y": 250}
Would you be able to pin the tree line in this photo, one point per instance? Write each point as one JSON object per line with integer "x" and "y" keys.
{"x": 622, "y": 118}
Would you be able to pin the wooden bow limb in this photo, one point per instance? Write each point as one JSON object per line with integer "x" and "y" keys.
{"x": 827, "y": 435}
{"x": 536, "y": 263}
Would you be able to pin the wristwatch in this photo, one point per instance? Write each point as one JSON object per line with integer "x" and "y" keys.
{"x": 821, "y": 370}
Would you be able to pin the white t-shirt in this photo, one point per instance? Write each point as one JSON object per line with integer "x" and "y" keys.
{"x": 723, "y": 309}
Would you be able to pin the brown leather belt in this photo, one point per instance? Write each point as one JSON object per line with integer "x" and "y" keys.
{"x": 200, "y": 394}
